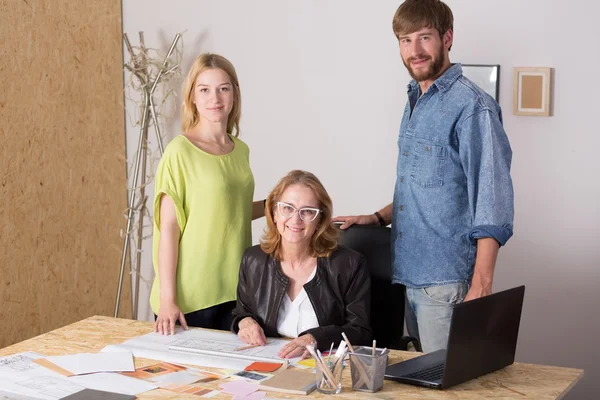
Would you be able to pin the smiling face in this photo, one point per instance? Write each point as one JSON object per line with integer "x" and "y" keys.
{"x": 425, "y": 54}
{"x": 213, "y": 96}
{"x": 293, "y": 230}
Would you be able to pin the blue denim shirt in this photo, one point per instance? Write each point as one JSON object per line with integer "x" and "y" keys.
{"x": 453, "y": 182}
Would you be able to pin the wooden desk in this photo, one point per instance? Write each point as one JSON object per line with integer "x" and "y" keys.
{"x": 517, "y": 381}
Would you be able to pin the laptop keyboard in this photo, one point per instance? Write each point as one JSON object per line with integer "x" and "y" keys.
{"x": 428, "y": 374}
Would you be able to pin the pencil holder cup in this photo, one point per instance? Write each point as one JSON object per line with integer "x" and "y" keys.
{"x": 367, "y": 370}
{"x": 330, "y": 380}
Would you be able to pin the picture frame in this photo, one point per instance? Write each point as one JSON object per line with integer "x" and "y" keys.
{"x": 532, "y": 88}
{"x": 486, "y": 76}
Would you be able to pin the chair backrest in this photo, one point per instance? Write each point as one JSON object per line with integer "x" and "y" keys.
{"x": 387, "y": 300}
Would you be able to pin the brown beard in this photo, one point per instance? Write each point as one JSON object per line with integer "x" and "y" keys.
{"x": 434, "y": 68}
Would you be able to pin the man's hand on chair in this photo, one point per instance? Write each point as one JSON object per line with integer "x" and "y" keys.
{"x": 348, "y": 221}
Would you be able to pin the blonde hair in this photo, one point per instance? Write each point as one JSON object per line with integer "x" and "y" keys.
{"x": 189, "y": 113}
{"x": 413, "y": 15}
{"x": 324, "y": 240}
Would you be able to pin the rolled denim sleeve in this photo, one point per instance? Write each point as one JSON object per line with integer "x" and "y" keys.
{"x": 486, "y": 158}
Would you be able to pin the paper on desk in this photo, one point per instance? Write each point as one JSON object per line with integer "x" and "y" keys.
{"x": 156, "y": 346}
{"x": 176, "y": 378}
{"x": 179, "y": 358}
{"x": 19, "y": 374}
{"x": 251, "y": 396}
{"x": 166, "y": 374}
{"x": 39, "y": 388}
{"x": 307, "y": 363}
{"x": 239, "y": 388}
{"x": 88, "y": 363}
{"x": 12, "y": 396}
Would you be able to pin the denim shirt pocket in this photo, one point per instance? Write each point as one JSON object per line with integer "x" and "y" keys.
{"x": 428, "y": 164}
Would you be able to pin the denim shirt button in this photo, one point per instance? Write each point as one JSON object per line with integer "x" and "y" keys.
{"x": 401, "y": 208}
{"x": 401, "y": 179}
{"x": 406, "y": 153}
{"x": 399, "y": 235}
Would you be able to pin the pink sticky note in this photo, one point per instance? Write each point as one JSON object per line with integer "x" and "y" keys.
{"x": 239, "y": 388}
{"x": 251, "y": 396}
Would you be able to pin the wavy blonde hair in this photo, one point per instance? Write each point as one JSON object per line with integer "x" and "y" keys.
{"x": 324, "y": 240}
{"x": 189, "y": 113}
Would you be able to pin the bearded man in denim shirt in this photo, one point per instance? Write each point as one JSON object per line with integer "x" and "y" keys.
{"x": 453, "y": 200}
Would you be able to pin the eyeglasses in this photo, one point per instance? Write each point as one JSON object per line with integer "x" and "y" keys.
{"x": 307, "y": 214}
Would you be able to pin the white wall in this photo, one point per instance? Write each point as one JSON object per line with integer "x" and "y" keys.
{"x": 323, "y": 89}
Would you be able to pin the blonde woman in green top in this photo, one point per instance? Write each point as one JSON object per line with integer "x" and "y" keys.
{"x": 203, "y": 204}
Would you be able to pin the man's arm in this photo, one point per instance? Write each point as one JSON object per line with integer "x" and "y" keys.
{"x": 258, "y": 209}
{"x": 368, "y": 219}
{"x": 483, "y": 276}
{"x": 486, "y": 156}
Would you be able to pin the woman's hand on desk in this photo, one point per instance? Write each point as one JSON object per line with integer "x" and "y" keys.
{"x": 168, "y": 314}
{"x": 297, "y": 347}
{"x": 251, "y": 332}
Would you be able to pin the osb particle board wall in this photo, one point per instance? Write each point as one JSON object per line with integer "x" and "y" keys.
{"x": 62, "y": 167}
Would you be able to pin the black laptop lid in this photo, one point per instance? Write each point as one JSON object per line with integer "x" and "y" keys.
{"x": 483, "y": 336}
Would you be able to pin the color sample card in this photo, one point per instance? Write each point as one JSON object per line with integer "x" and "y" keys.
{"x": 251, "y": 375}
{"x": 308, "y": 363}
{"x": 259, "y": 366}
{"x": 152, "y": 371}
{"x": 177, "y": 378}
{"x": 239, "y": 388}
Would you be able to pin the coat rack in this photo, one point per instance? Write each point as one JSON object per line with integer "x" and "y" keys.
{"x": 141, "y": 66}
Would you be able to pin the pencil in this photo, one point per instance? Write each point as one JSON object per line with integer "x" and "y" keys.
{"x": 329, "y": 356}
{"x": 364, "y": 375}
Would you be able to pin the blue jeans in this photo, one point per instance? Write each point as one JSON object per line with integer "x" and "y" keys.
{"x": 429, "y": 311}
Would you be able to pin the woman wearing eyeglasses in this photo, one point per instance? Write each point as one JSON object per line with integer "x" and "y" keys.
{"x": 298, "y": 283}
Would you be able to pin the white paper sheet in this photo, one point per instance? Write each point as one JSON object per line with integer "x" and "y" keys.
{"x": 157, "y": 347}
{"x": 20, "y": 375}
{"x": 179, "y": 378}
{"x": 164, "y": 354}
{"x": 87, "y": 363}
{"x": 12, "y": 396}
{"x": 227, "y": 346}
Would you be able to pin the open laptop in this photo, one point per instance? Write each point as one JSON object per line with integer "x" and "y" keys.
{"x": 482, "y": 339}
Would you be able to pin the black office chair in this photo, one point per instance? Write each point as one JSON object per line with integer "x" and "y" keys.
{"x": 387, "y": 300}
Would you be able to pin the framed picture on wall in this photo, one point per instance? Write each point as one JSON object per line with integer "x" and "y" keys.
{"x": 485, "y": 76}
{"x": 531, "y": 91}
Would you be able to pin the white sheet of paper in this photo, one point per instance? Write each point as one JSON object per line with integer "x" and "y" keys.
{"x": 112, "y": 382}
{"x": 12, "y": 396}
{"x": 20, "y": 375}
{"x": 156, "y": 346}
{"x": 163, "y": 354}
{"x": 87, "y": 363}
{"x": 179, "y": 378}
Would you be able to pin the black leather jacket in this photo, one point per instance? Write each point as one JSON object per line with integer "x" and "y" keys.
{"x": 340, "y": 294}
